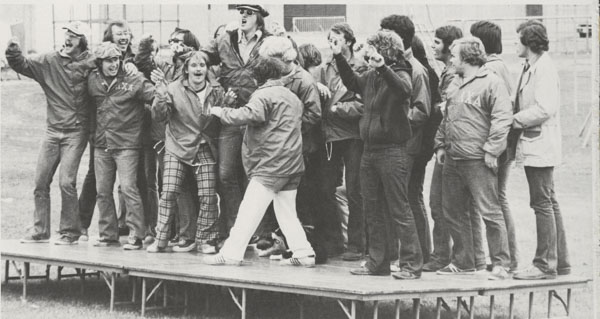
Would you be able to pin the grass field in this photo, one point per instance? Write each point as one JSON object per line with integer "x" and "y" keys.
{"x": 23, "y": 125}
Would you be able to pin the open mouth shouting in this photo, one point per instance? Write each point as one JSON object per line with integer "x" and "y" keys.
{"x": 123, "y": 44}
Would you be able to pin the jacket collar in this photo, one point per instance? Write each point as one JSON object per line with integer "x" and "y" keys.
{"x": 208, "y": 88}
{"x": 258, "y": 35}
{"x": 481, "y": 73}
{"x": 82, "y": 56}
{"x": 271, "y": 82}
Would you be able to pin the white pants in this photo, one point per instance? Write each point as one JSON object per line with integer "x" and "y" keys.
{"x": 252, "y": 209}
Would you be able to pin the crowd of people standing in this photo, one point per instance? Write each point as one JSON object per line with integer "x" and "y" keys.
{"x": 221, "y": 144}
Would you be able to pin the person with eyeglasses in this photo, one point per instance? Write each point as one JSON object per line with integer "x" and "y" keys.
{"x": 235, "y": 51}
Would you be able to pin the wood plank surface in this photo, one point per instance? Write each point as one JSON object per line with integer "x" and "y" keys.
{"x": 332, "y": 279}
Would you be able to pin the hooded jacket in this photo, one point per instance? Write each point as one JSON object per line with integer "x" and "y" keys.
{"x": 64, "y": 81}
{"x": 477, "y": 118}
{"x": 188, "y": 119}
{"x": 234, "y": 74}
{"x": 273, "y": 140}
{"x": 386, "y": 94}
{"x": 119, "y": 109}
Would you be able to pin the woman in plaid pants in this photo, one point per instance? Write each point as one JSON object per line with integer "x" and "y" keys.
{"x": 190, "y": 149}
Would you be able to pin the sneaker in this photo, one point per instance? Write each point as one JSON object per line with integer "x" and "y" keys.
{"x": 103, "y": 242}
{"x": 352, "y": 256}
{"x": 34, "y": 239}
{"x": 564, "y": 271}
{"x": 498, "y": 273}
{"x": 176, "y": 241}
{"x": 308, "y": 261}
{"x": 433, "y": 266}
{"x": 65, "y": 240}
{"x": 220, "y": 260}
{"x": 533, "y": 273}
{"x": 188, "y": 245}
{"x": 133, "y": 244}
{"x": 406, "y": 275}
{"x": 154, "y": 248}
{"x": 207, "y": 248}
{"x": 394, "y": 267}
{"x": 149, "y": 239}
{"x": 451, "y": 269}
{"x": 84, "y": 235}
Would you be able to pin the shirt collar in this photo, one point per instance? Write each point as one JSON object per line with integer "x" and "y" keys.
{"x": 242, "y": 36}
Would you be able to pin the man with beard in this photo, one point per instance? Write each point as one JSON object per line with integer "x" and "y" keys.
{"x": 235, "y": 51}
{"x": 62, "y": 76}
{"x": 119, "y": 100}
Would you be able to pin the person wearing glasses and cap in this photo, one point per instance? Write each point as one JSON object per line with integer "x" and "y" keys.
{"x": 119, "y": 102}
{"x": 235, "y": 51}
{"x": 62, "y": 75}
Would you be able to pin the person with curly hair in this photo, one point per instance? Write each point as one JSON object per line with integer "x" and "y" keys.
{"x": 385, "y": 165}
{"x": 537, "y": 103}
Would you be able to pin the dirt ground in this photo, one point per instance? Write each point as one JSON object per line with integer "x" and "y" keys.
{"x": 22, "y": 123}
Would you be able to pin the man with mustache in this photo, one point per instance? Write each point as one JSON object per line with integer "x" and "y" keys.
{"x": 62, "y": 75}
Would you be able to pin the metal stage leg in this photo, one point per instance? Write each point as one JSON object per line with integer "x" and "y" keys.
{"x": 438, "y": 308}
{"x": 143, "y": 297}
{"x": 471, "y": 307}
{"x": 351, "y": 313}
{"x": 397, "y": 308}
{"x": 240, "y": 305}
{"x": 566, "y": 305}
{"x": 568, "y": 308}
{"x": 550, "y": 294}
{"x": 25, "y": 277}
{"x": 47, "y": 272}
{"x": 6, "y": 271}
{"x": 59, "y": 273}
{"x": 165, "y": 295}
{"x": 511, "y": 306}
{"x": 375, "y": 309}
{"x": 492, "y": 302}
{"x": 458, "y": 307}
{"x": 111, "y": 286}
{"x": 530, "y": 305}
{"x": 416, "y": 308}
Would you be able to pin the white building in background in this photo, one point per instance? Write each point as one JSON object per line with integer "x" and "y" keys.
{"x": 39, "y": 25}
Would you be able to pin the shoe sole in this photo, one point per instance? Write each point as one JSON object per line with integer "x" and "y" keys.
{"x": 459, "y": 273}
{"x": 183, "y": 250}
{"x": 406, "y": 278}
{"x": 59, "y": 243}
{"x": 544, "y": 277}
{"x": 132, "y": 247}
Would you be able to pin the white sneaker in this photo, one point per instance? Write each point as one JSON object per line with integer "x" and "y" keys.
{"x": 308, "y": 261}
{"x": 219, "y": 260}
{"x": 207, "y": 249}
{"x": 84, "y": 235}
{"x": 154, "y": 248}
{"x": 188, "y": 245}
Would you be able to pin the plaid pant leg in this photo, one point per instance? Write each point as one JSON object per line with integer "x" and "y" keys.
{"x": 206, "y": 177}
{"x": 173, "y": 174}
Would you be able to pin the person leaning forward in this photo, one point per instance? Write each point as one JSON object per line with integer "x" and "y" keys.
{"x": 62, "y": 75}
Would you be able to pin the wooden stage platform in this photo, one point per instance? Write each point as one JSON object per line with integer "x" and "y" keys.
{"x": 332, "y": 280}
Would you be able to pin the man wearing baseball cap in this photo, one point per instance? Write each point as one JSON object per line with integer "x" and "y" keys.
{"x": 119, "y": 102}
{"x": 62, "y": 75}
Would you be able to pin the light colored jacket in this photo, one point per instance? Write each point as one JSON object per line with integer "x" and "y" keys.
{"x": 477, "y": 118}
{"x": 273, "y": 141}
{"x": 539, "y": 114}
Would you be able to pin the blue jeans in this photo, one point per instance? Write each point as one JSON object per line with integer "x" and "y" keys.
{"x": 470, "y": 187}
{"x": 87, "y": 197}
{"x": 344, "y": 158}
{"x": 384, "y": 177}
{"x": 417, "y": 204}
{"x": 551, "y": 253}
{"x": 108, "y": 163}
{"x": 442, "y": 244}
{"x": 503, "y": 174}
{"x": 65, "y": 147}
{"x": 231, "y": 175}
